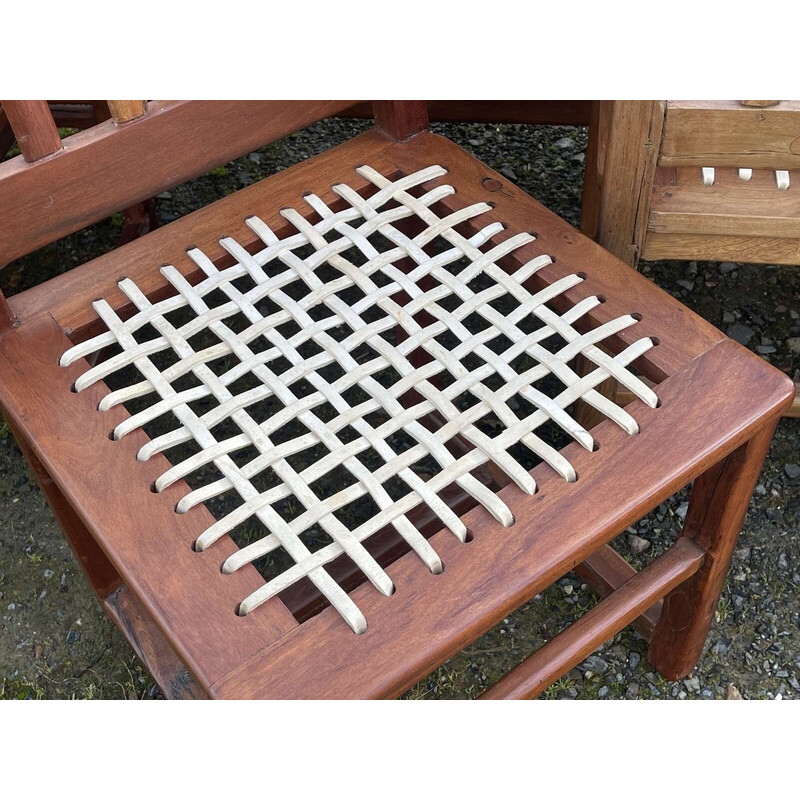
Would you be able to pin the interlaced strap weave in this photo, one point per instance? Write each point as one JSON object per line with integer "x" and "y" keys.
{"x": 336, "y": 307}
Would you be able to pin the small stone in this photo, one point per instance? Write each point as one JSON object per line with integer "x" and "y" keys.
{"x": 728, "y": 318}
{"x": 792, "y": 470}
{"x": 633, "y": 691}
{"x": 73, "y": 637}
{"x": 732, "y": 693}
{"x": 255, "y": 158}
{"x": 567, "y": 589}
{"x": 682, "y": 695}
{"x": 688, "y": 285}
{"x": 726, "y": 266}
{"x": 602, "y": 691}
{"x": 721, "y": 646}
{"x": 565, "y": 143}
{"x": 48, "y": 573}
{"x": 633, "y": 660}
{"x": 707, "y": 693}
{"x": 794, "y": 344}
{"x": 692, "y": 684}
{"x": 509, "y": 173}
{"x": 682, "y": 509}
{"x": 780, "y": 309}
{"x": 765, "y": 350}
{"x": 637, "y": 544}
{"x": 596, "y": 664}
{"x": 743, "y": 334}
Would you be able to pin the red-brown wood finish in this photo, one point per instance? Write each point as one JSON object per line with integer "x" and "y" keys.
{"x": 528, "y": 679}
{"x": 719, "y": 403}
{"x": 401, "y": 119}
{"x": 717, "y": 508}
{"x": 34, "y": 128}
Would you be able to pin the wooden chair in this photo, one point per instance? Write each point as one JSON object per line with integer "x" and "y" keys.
{"x": 369, "y": 357}
{"x": 695, "y": 179}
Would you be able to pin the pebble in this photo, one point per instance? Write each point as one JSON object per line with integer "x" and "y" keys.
{"x": 792, "y": 470}
{"x": 633, "y": 660}
{"x": 728, "y": 318}
{"x": 633, "y": 691}
{"x": 565, "y": 142}
{"x": 726, "y": 266}
{"x": 682, "y": 509}
{"x": 595, "y": 664}
{"x": 637, "y": 544}
{"x": 732, "y": 693}
{"x": 48, "y": 573}
{"x": 692, "y": 684}
{"x": 743, "y": 334}
{"x": 602, "y": 691}
{"x": 721, "y": 646}
{"x": 688, "y": 285}
{"x": 73, "y": 637}
{"x": 794, "y": 344}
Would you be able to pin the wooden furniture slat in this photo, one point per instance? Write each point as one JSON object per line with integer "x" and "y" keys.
{"x": 605, "y": 571}
{"x": 123, "y": 165}
{"x": 703, "y": 247}
{"x": 430, "y": 617}
{"x": 619, "y": 172}
{"x": 401, "y": 119}
{"x": 68, "y": 297}
{"x": 130, "y": 616}
{"x": 186, "y": 595}
{"x": 125, "y": 110}
{"x": 528, "y": 679}
{"x": 531, "y": 112}
{"x": 730, "y": 207}
{"x": 34, "y": 129}
{"x": 717, "y": 507}
{"x": 711, "y": 133}
{"x": 625, "y": 291}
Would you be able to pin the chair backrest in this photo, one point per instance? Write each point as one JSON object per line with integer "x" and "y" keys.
{"x": 139, "y": 149}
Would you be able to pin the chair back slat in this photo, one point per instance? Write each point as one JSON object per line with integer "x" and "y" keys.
{"x": 34, "y": 128}
{"x": 125, "y": 110}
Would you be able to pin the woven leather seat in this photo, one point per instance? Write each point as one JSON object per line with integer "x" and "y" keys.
{"x": 324, "y": 431}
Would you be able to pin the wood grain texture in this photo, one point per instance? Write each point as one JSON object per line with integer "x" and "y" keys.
{"x": 621, "y": 162}
{"x": 709, "y": 408}
{"x": 624, "y": 290}
{"x": 401, "y": 119}
{"x": 148, "y": 544}
{"x": 723, "y": 133}
{"x": 126, "y": 110}
{"x": 731, "y": 207}
{"x": 168, "y": 671}
{"x": 717, "y": 508}
{"x": 706, "y": 247}
{"x": 605, "y": 571}
{"x": 68, "y": 297}
{"x": 109, "y": 167}
{"x": 531, "y": 112}
{"x": 530, "y": 678}
{"x": 34, "y": 129}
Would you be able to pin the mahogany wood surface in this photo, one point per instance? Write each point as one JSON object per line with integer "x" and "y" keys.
{"x": 136, "y": 625}
{"x": 605, "y": 571}
{"x": 177, "y": 604}
{"x": 710, "y": 407}
{"x": 531, "y": 112}
{"x": 717, "y": 508}
{"x": 624, "y": 290}
{"x": 68, "y": 297}
{"x": 568, "y": 649}
{"x": 34, "y": 128}
{"x": 120, "y": 165}
{"x": 149, "y": 545}
{"x": 401, "y": 119}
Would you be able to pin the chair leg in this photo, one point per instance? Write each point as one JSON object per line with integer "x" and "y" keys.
{"x": 717, "y": 509}
{"x": 99, "y": 570}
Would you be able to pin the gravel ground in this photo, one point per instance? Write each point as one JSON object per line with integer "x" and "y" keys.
{"x": 56, "y": 643}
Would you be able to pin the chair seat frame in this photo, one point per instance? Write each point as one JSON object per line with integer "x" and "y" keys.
{"x": 719, "y": 407}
